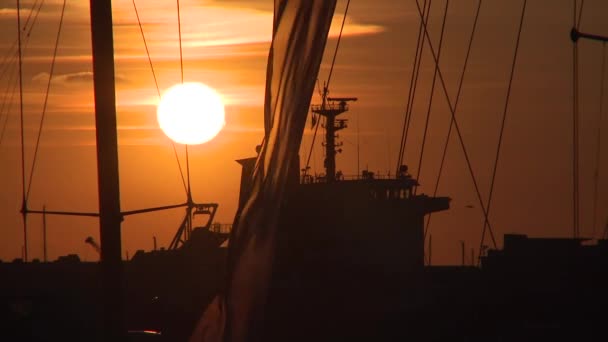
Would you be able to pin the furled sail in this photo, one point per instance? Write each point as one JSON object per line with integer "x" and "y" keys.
{"x": 299, "y": 35}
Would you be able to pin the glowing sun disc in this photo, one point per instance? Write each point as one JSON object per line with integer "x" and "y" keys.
{"x": 191, "y": 113}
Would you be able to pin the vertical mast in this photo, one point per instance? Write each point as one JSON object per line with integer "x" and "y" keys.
{"x": 107, "y": 169}
{"x": 330, "y": 109}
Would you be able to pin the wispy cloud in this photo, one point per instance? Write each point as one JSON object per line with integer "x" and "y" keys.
{"x": 209, "y": 26}
{"x": 8, "y": 12}
{"x": 72, "y": 78}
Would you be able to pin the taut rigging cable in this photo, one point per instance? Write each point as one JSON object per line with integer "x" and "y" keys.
{"x": 141, "y": 30}
{"x": 575, "y": 118}
{"x": 428, "y": 113}
{"x": 181, "y": 68}
{"x": 598, "y": 145}
{"x": 46, "y": 97}
{"x": 326, "y": 85}
{"x": 452, "y": 113}
{"x": 413, "y": 83}
{"x": 502, "y": 128}
{"x": 24, "y": 204}
{"x": 8, "y": 108}
{"x": 456, "y": 101}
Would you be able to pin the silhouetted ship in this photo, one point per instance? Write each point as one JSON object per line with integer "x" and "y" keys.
{"x": 350, "y": 266}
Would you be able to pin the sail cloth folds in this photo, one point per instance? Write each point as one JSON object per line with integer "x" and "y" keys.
{"x": 300, "y": 32}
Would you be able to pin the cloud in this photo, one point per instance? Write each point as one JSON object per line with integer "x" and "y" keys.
{"x": 8, "y": 12}
{"x": 204, "y": 26}
{"x": 72, "y": 78}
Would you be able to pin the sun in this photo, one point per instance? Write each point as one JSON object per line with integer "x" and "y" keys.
{"x": 191, "y": 113}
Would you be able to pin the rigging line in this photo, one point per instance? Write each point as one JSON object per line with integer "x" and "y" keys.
{"x": 580, "y": 14}
{"x": 12, "y": 55}
{"x": 11, "y": 82}
{"x": 24, "y": 199}
{"x": 179, "y": 32}
{"x": 575, "y": 130}
{"x": 181, "y": 68}
{"x": 574, "y": 11}
{"x": 29, "y": 32}
{"x": 502, "y": 125}
{"x": 575, "y": 120}
{"x": 333, "y": 61}
{"x": 326, "y": 85}
{"x": 413, "y": 98}
{"x": 452, "y": 113}
{"x": 141, "y": 30}
{"x": 24, "y": 203}
{"x": 179, "y": 166}
{"x": 8, "y": 109}
{"x": 407, "y": 106}
{"x": 189, "y": 193}
{"x": 428, "y": 113}
{"x": 312, "y": 145}
{"x": 29, "y": 16}
{"x": 10, "y": 68}
{"x": 8, "y": 58}
{"x": 598, "y": 145}
{"x": 456, "y": 101}
{"x": 413, "y": 81}
{"x": 46, "y": 97}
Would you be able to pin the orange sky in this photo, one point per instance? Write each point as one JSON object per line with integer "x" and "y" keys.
{"x": 225, "y": 45}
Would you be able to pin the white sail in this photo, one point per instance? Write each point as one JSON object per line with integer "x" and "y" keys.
{"x": 299, "y": 35}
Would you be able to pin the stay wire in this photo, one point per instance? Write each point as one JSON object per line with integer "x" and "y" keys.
{"x": 407, "y": 106}
{"x": 46, "y": 98}
{"x": 580, "y": 14}
{"x": 326, "y": 87}
{"x": 30, "y": 14}
{"x": 141, "y": 30}
{"x": 413, "y": 82}
{"x": 12, "y": 51}
{"x": 25, "y": 41}
{"x": 456, "y": 101}
{"x": 452, "y": 113}
{"x": 333, "y": 60}
{"x": 29, "y": 32}
{"x": 502, "y": 125}
{"x": 7, "y": 61}
{"x": 21, "y": 117}
{"x": 410, "y": 113}
{"x": 8, "y": 108}
{"x": 575, "y": 195}
{"x": 598, "y": 145}
{"x": 312, "y": 145}
{"x": 181, "y": 68}
{"x": 179, "y": 32}
{"x": 428, "y": 112}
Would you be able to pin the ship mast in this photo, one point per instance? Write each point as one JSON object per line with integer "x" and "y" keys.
{"x": 110, "y": 216}
{"x": 330, "y": 109}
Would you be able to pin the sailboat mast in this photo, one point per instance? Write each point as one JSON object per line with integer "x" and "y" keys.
{"x": 107, "y": 168}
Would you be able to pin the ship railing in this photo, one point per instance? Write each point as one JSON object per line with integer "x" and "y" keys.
{"x": 320, "y": 178}
{"x": 330, "y": 106}
{"x": 221, "y": 228}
